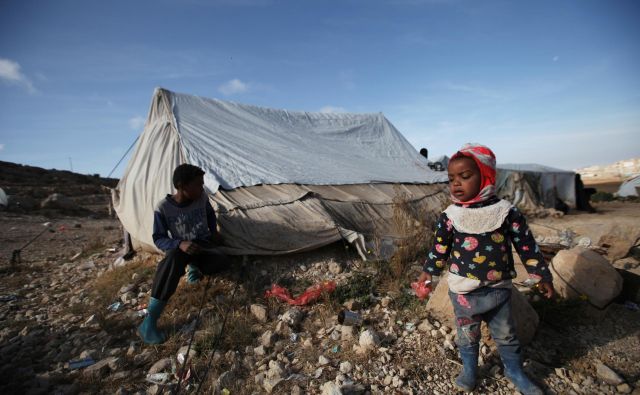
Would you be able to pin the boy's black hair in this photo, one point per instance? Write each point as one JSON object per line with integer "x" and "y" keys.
{"x": 185, "y": 173}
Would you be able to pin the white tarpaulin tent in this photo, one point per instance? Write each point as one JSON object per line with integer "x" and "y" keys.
{"x": 533, "y": 184}
{"x": 631, "y": 187}
{"x": 280, "y": 181}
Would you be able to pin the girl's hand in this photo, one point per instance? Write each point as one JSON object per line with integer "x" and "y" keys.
{"x": 546, "y": 289}
{"x": 422, "y": 290}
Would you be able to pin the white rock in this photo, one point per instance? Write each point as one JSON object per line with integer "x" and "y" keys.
{"x": 580, "y": 271}
{"x": 267, "y": 338}
{"x": 322, "y": 360}
{"x": 346, "y": 333}
{"x": 607, "y": 375}
{"x": 331, "y": 388}
{"x": 334, "y": 267}
{"x": 369, "y": 339}
{"x": 292, "y": 317}
{"x": 346, "y": 367}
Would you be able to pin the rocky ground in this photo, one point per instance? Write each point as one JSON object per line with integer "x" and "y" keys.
{"x": 69, "y": 309}
{"x": 54, "y": 311}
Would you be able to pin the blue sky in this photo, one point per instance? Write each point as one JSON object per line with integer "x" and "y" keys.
{"x": 552, "y": 82}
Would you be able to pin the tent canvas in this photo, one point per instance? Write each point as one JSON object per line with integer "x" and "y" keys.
{"x": 630, "y": 187}
{"x": 532, "y": 185}
{"x": 280, "y": 181}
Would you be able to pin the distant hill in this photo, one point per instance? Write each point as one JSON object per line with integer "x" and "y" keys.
{"x": 28, "y": 186}
{"x": 615, "y": 172}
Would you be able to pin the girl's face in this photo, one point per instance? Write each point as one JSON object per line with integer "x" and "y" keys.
{"x": 464, "y": 179}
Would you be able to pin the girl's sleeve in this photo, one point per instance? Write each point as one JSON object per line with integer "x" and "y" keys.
{"x": 439, "y": 253}
{"x": 527, "y": 248}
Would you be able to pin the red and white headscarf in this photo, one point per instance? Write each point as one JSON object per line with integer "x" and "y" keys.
{"x": 486, "y": 162}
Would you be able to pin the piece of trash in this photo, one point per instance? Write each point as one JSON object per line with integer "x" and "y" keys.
{"x": 311, "y": 294}
{"x": 47, "y": 224}
{"x": 421, "y": 289}
{"x": 76, "y": 256}
{"x": 158, "y": 378}
{"x": 530, "y": 282}
{"x": 111, "y": 249}
{"x": 293, "y": 337}
{"x": 8, "y": 298}
{"x": 410, "y": 326}
{"x": 142, "y": 313}
{"x": 114, "y": 306}
{"x": 349, "y": 318}
{"x": 335, "y": 349}
{"x": 631, "y": 306}
{"x": 81, "y": 363}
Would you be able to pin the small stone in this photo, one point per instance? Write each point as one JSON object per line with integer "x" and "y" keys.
{"x": 267, "y": 338}
{"x": 346, "y": 333}
{"x": 607, "y": 375}
{"x": 160, "y": 366}
{"x": 292, "y": 317}
{"x": 331, "y": 388}
{"x": 425, "y": 326}
{"x": 322, "y": 360}
{"x": 386, "y": 301}
{"x": 346, "y": 367}
{"x": 369, "y": 339}
{"x": 352, "y": 305}
{"x": 334, "y": 267}
{"x": 624, "y": 388}
{"x": 270, "y": 385}
{"x": 259, "y": 311}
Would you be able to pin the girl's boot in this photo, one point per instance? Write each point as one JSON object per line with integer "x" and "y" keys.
{"x": 513, "y": 371}
{"x": 148, "y": 330}
{"x": 466, "y": 380}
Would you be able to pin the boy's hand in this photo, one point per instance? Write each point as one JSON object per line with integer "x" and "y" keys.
{"x": 189, "y": 247}
{"x": 546, "y": 289}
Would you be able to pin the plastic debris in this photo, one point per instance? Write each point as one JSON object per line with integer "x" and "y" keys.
{"x": 81, "y": 363}
{"x": 631, "y": 306}
{"x": 335, "y": 349}
{"x": 311, "y": 294}
{"x": 410, "y": 326}
{"x": 421, "y": 289}
{"x": 114, "y": 306}
{"x": 293, "y": 337}
{"x": 349, "y": 318}
{"x": 8, "y": 298}
{"x": 142, "y": 313}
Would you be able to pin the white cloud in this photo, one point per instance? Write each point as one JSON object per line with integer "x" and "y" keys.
{"x": 332, "y": 109}
{"x": 10, "y": 72}
{"x": 233, "y": 86}
{"x": 136, "y": 123}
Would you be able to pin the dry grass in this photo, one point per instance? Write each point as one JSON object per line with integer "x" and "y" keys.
{"x": 413, "y": 226}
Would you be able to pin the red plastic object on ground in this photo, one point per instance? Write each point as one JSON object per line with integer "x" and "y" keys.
{"x": 311, "y": 294}
{"x": 421, "y": 289}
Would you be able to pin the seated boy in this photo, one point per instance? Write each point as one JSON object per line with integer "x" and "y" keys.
{"x": 184, "y": 224}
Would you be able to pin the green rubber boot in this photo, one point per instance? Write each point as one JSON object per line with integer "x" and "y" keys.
{"x": 193, "y": 275}
{"x": 148, "y": 330}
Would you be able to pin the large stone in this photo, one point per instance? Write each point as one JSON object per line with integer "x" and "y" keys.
{"x": 525, "y": 317}
{"x": 580, "y": 272}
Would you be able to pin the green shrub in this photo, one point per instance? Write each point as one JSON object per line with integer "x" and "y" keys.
{"x": 602, "y": 197}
